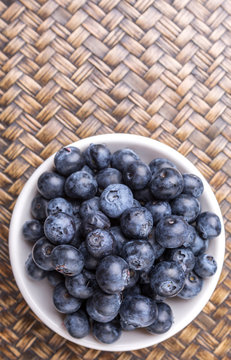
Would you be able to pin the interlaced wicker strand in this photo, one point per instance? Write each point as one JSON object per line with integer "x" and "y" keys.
{"x": 74, "y": 68}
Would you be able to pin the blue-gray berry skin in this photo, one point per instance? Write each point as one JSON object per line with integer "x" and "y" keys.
{"x": 160, "y": 163}
{"x": 172, "y": 231}
{"x": 80, "y": 286}
{"x": 89, "y": 206}
{"x": 103, "y": 307}
{"x": 77, "y": 324}
{"x": 191, "y": 236}
{"x": 157, "y": 248}
{"x": 118, "y": 239}
{"x": 33, "y": 271}
{"x": 41, "y": 253}
{"x": 166, "y": 184}
{"x": 38, "y": 207}
{"x": 108, "y": 176}
{"x": 32, "y": 230}
{"x": 57, "y": 205}
{"x": 95, "y": 220}
{"x": 68, "y": 160}
{"x": 137, "y": 175}
{"x": 115, "y": 199}
{"x": 205, "y": 265}
{"x": 122, "y": 158}
{"x": 138, "y": 311}
{"x": 167, "y": 278}
{"x": 63, "y": 301}
{"x": 51, "y": 185}
{"x": 136, "y": 223}
{"x": 199, "y": 245}
{"x": 143, "y": 195}
{"x": 97, "y": 156}
{"x": 67, "y": 260}
{"x": 158, "y": 209}
{"x": 183, "y": 256}
{"x": 99, "y": 243}
{"x": 107, "y": 333}
{"x": 112, "y": 274}
{"x": 192, "y": 185}
{"x": 163, "y": 321}
{"x": 192, "y": 286}
{"x": 90, "y": 262}
{"x": 186, "y": 206}
{"x": 59, "y": 228}
{"x": 81, "y": 185}
{"x": 138, "y": 254}
{"x": 54, "y": 278}
{"x": 208, "y": 225}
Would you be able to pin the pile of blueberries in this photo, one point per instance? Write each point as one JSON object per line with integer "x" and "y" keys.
{"x": 116, "y": 237}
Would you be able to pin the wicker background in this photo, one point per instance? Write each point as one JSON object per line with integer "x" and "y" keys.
{"x": 71, "y": 69}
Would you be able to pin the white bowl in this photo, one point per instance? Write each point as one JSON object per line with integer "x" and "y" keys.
{"x": 38, "y": 295}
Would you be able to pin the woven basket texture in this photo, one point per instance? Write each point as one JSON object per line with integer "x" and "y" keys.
{"x": 75, "y": 68}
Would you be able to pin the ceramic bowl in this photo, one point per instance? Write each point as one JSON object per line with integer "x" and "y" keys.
{"x": 38, "y": 295}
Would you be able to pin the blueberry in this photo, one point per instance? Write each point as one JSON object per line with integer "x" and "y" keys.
{"x": 59, "y": 228}
{"x": 144, "y": 195}
{"x": 166, "y": 184}
{"x": 139, "y": 254}
{"x": 167, "y": 278}
{"x": 77, "y": 324}
{"x": 183, "y": 256}
{"x": 192, "y": 286}
{"x": 97, "y": 156}
{"x": 68, "y": 160}
{"x": 54, "y": 278}
{"x": 158, "y": 209}
{"x": 118, "y": 239}
{"x": 146, "y": 290}
{"x": 95, "y": 220}
{"x": 41, "y": 253}
{"x": 38, "y": 208}
{"x": 112, "y": 274}
{"x": 163, "y": 321}
{"x": 131, "y": 291}
{"x": 136, "y": 223}
{"x": 63, "y": 301}
{"x": 103, "y": 307}
{"x": 99, "y": 243}
{"x": 51, "y": 185}
{"x": 208, "y": 225}
{"x": 133, "y": 278}
{"x": 80, "y": 185}
{"x": 57, "y": 205}
{"x": 160, "y": 163}
{"x": 122, "y": 158}
{"x": 33, "y": 271}
{"x": 80, "y": 286}
{"x": 137, "y": 175}
{"x": 205, "y": 265}
{"x": 89, "y": 206}
{"x": 77, "y": 239}
{"x": 199, "y": 245}
{"x": 115, "y": 199}
{"x": 156, "y": 247}
{"x": 67, "y": 260}
{"x": 189, "y": 241}
{"x": 75, "y": 203}
{"x": 186, "y": 206}
{"x": 138, "y": 311}
{"x": 107, "y": 333}
{"x": 107, "y": 177}
{"x": 90, "y": 261}
{"x": 32, "y": 230}
{"x": 88, "y": 170}
{"x": 172, "y": 231}
{"x": 192, "y": 185}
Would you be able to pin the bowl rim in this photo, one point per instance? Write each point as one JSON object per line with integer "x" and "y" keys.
{"x": 121, "y": 137}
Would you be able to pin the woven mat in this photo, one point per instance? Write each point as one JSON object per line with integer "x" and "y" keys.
{"x": 72, "y": 69}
